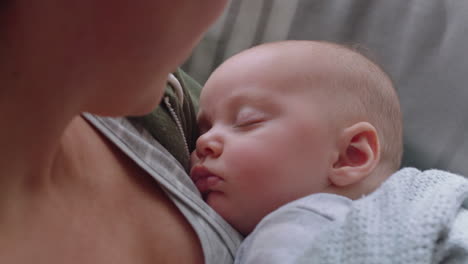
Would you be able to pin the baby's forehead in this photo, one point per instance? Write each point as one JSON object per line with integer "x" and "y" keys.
{"x": 299, "y": 67}
{"x": 311, "y": 61}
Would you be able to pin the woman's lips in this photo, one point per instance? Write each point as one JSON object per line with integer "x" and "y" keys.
{"x": 204, "y": 179}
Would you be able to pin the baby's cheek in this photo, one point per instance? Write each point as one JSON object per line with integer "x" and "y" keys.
{"x": 249, "y": 162}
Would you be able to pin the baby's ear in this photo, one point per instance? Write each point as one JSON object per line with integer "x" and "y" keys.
{"x": 358, "y": 154}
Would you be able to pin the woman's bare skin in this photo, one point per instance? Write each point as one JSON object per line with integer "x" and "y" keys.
{"x": 108, "y": 212}
{"x": 67, "y": 195}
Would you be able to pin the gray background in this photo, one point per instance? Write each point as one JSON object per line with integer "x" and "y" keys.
{"x": 420, "y": 43}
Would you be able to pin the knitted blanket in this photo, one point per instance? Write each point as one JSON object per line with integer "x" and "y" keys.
{"x": 414, "y": 217}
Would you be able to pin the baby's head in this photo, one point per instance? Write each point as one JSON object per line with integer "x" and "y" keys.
{"x": 284, "y": 120}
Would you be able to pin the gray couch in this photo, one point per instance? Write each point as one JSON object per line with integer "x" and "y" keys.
{"x": 420, "y": 43}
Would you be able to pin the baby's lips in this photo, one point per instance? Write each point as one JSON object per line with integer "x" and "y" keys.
{"x": 206, "y": 184}
{"x": 203, "y": 178}
{"x": 198, "y": 172}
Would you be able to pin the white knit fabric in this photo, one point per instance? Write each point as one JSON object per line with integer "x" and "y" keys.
{"x": 283, "y": 235}
{"x": 414, "y": 217}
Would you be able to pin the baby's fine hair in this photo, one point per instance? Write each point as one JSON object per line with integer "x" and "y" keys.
{"x": 369, "y": 93}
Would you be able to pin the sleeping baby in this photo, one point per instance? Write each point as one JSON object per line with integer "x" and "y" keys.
{"x": 300, "y": 150}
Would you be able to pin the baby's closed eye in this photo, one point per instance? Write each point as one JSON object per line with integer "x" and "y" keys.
{"x": 249, "y": 116}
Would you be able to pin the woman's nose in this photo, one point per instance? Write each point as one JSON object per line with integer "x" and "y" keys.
{"x": 209, "y": 144}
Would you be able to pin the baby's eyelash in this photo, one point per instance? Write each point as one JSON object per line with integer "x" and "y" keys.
{"x": 247, "y": 117}
{"x": 248, "y": 123}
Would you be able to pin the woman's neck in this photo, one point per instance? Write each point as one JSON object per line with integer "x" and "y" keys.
{"x": 34, "y": 119}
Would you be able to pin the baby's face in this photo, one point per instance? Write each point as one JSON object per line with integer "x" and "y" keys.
{"x": 263, "y": 143}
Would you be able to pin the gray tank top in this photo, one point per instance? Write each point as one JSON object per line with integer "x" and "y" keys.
{"x": 218, "y": 239}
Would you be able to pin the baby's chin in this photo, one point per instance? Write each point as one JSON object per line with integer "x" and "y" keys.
{"x": 233, "y": 214}
{"x": 244, "y": 227}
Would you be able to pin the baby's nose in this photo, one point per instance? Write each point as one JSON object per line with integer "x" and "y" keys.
{"x": 209, "y": 145}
